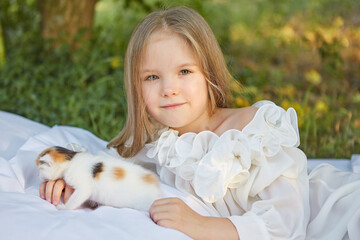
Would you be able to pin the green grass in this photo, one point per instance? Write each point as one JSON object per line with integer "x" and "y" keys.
{"x": 304, "y": 54}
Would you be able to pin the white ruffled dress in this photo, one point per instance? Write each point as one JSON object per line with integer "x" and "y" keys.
{"x": 258, "y": 178}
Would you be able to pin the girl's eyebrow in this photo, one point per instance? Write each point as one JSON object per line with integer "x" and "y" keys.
{"x": 149, "y": 70}
{"x": 187, "y": 65}
{"x": 143, "y": 71}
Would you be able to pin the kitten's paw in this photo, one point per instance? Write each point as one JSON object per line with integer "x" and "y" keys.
{"x": 61, "y": 206}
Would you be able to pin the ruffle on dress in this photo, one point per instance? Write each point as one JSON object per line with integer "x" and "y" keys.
{"x": 249, "y": 160}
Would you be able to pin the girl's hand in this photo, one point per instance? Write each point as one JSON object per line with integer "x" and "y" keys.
{"x": 51, "y": 191}
{"x": 174, "y": 213}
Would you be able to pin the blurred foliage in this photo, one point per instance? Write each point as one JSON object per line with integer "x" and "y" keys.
{"x": 2, "y": 49}
{"x": 300, "y": 54}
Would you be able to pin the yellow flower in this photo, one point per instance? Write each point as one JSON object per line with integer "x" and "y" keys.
{"x": 311, "y": 37}
{"x": 356, "y": 34}
{"x": 345, "y": 41}
{"x": 287, "y": 33}
{"x": 298, "y": 109}
{"x": 285, "y": 104}
{"x": 288, "y": 90}
{"x": 313, "y": 77}
{"x": 240, "y": 33}
{"x": 115, "y": 62}
{"x": 338, "y": 22}
{"x": 327, "y": 34}
{"x": 321, "y": 107}
{"x": 237, "y": 32}
{"x": 300, "y": 113}
{"x": 357, "y": 123}
{"x": 241, "y": 102}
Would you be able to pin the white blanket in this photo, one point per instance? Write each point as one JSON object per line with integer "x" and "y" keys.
{"x": 24, "y": 215}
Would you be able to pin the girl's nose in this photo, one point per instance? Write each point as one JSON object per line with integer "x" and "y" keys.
{"x": 170, "y": 88}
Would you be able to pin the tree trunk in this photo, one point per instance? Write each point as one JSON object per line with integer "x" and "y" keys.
{"x": 62, "y": 20}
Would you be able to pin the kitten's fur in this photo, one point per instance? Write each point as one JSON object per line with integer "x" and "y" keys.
{"x": 101, "y": 178}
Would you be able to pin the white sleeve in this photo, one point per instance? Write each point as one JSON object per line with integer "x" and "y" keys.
{"x": 281, "y": 212}
{"x": 277, "y": 202}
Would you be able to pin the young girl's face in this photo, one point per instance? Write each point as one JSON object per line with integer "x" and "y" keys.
{"x": 174, "y": 88}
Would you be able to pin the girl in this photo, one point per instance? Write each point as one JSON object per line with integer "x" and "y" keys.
{"x": 243, "y": 164}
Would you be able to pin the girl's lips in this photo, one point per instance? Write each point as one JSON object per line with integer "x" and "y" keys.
{"x": 172, "y": 106}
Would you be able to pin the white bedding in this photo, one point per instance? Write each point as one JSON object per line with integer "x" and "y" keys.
{"x": 24, "y": 215}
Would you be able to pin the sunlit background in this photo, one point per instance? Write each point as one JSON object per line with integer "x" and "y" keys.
{"x": 301, "y": 54}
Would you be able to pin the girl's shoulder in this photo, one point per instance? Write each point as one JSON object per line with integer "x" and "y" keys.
{"x": 241, "y": 117}
{"x": 234, "y": 118}
{"x": 263, "y": 115}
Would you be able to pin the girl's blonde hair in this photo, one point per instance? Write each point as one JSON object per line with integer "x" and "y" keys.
{"x": 139, "y": 129}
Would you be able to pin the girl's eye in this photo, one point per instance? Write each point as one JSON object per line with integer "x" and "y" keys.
{"x": 184, "y": 72}
{"x": 152, "y": 77}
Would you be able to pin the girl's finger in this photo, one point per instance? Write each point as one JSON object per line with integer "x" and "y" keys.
{"x": 165, "y": 223}
{"x": 57, "y": 191}
{"x": 158, "y": 207}
{"x": 49, "y": 190}
{"x": 166, "y": 211}
{"x": 165, "y": 201}
{"x": 159, "y": 216}
{"x": 68, "y": 192}
{"x": 42, "y": 190}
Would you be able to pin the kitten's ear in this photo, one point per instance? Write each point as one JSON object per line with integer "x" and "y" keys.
{"x": 61, "y": 154}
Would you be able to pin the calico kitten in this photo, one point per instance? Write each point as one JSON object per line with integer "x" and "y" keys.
{"x": 100, "y": 178}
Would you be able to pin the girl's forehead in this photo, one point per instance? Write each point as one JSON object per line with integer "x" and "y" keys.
{"x": 158, "y": 39}
{"x": 164, "y": 34}
{"x": 167, "y": 49}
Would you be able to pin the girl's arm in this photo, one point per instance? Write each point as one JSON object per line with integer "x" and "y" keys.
{"x": 174, "y": 213}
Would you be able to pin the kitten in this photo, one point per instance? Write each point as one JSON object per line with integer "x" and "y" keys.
{"x": 101, "y": 178}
